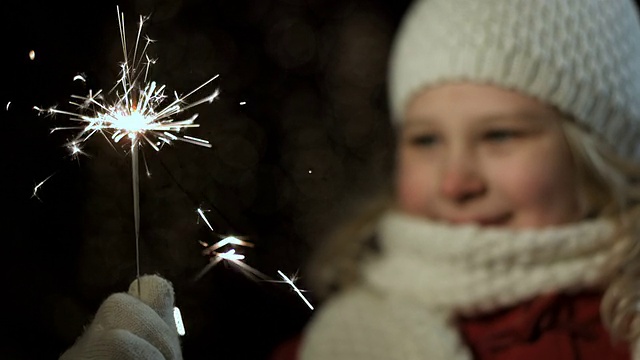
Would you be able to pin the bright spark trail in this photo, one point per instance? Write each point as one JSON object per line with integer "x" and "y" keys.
{"x": 216, "y": 255}
{"x": 295, "y": 288}
{"x": 38, "y": 186}
{"x": 140, "y": 112}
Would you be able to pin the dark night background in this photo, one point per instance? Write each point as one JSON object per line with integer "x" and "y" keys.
{"x": 312, "y": 139}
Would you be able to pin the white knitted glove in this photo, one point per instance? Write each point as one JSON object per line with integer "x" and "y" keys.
{"x": 129, "y": 327}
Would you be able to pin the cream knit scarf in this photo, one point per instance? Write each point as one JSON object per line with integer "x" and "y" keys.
{"x": 429, "y": 272}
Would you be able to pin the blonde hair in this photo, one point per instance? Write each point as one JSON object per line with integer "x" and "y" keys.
{"x": 335, "y": 264}
{"x": 610, "y": 187}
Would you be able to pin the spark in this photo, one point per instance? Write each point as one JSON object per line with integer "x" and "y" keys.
{"x": 216, "y": 255}
{"x": 139, "y": 112}
{"x": 229, "y": 240}
{"x": 9, "y": 103}
{"x": 38, "y": 186}
{"x": 74, "y": 149}
{"x": 201, "y": 213}
{"x": 32, "y": 54}
{"x": 295, "y": 288}
{"x": 231, "y": 255}
{"x": 79, "y": 77}
{"x": 243, "y": 102}
{"x": 234, "y": 258}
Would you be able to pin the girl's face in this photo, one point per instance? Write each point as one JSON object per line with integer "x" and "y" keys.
{"x": 479, "y": 154}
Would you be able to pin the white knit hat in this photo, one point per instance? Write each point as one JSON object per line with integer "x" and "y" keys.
{"x": 582, "y": 56}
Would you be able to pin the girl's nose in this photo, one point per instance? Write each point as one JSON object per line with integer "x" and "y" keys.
{"x": 461, "y": 180}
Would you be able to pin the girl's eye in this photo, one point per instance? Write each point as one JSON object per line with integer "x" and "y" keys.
{"x": 423, "y": 140}
{"x": 501, "y": 135}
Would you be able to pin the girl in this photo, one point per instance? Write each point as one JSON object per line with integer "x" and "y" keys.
{"x": 513, "y": 224}
{"x": 511, "y": 232}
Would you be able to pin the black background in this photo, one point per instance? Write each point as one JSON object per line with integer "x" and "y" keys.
{"x": 312, "y": 136}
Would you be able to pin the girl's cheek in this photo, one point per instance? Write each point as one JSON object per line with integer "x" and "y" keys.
{"x": 522, "y": 178}
{"x": 412, "y": 189}
{"x": 540, "y": 192}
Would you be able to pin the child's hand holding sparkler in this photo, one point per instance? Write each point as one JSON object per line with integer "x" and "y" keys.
{"x": 132, "y": 326}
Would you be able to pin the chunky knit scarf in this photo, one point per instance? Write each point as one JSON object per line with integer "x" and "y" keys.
{"x": 429, "y": 272}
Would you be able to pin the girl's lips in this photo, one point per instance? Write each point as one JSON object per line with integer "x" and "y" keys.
{"x": 484, "y": 221}
{"x": 501, "y": 220}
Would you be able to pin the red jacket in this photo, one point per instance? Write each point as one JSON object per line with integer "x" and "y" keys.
{"x": 549, "y": 327}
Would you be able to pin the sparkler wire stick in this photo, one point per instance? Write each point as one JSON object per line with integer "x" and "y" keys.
{"x": 136, "y": 204}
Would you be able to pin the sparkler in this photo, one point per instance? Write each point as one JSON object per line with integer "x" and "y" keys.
{"x": 137, "y": 113}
